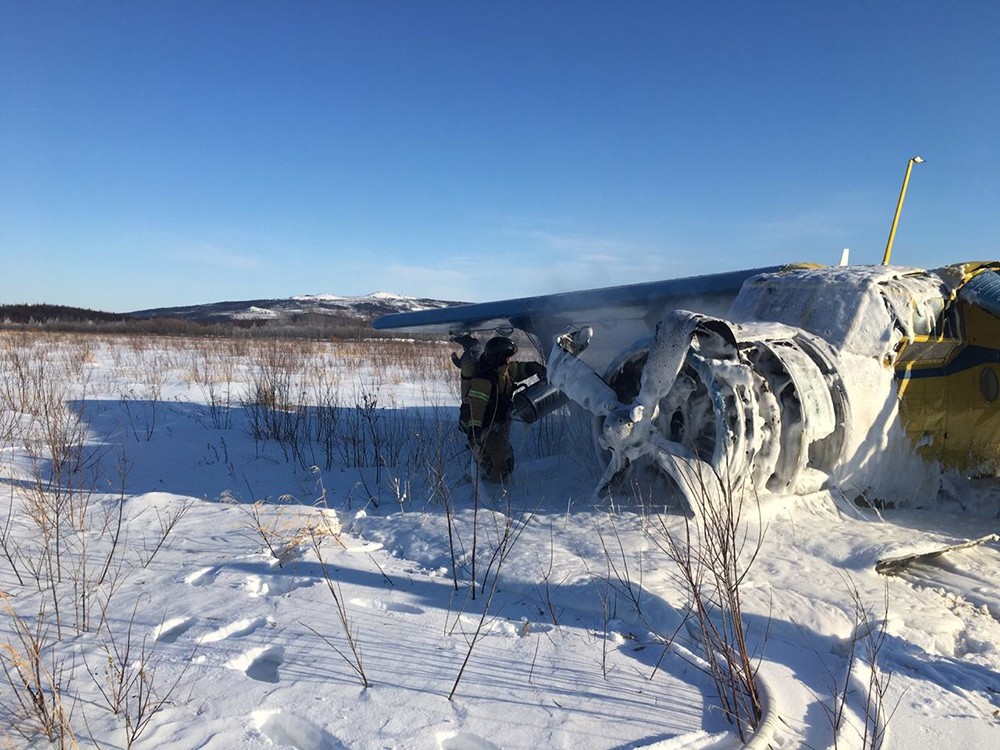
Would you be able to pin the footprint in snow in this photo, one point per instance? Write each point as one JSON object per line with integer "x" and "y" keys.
{"x": 463, "y": 741}
{"x": 288, "y": 730}
{"x": 170, "y": 630}
{"x": 234, "y": 630}
{"x": 259, "y": 664}
{"x": 358, "y": 545}
{"x": 258, "y": 586}
{"x": 203, "y": 577}
{"x": 406, "y": 609}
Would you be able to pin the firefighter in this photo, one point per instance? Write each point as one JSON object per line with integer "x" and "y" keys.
{"x": 486, "y": 405}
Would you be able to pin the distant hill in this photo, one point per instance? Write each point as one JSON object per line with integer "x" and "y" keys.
{"x": 309, "y": 316}
{"x": 42, "y": 313}
{"x": 348, "y": 309}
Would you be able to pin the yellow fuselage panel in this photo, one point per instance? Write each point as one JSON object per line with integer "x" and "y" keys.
{"x": 949, "y": 392}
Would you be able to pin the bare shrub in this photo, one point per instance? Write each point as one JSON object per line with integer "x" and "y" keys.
{"x": 37, "y": 677}
{"x": 214, "y": 372}
{"x": 141, "y": 398}
{"x": 865, "y": 681}
{"x": 126, "y": 678}
{"x": 275, "y": 402}
{"x": 352, "y": 655}
{"x": 712, "y": 554}
{"x": 56, "y": 501}
{"x": 287, "y": 528}
{"x": 508, "y": 528}
{"x": 616, "y": 583}
{"x": 166, "y": 523}
{"x": 281, "y": 534}
{"x": 326, "y": 414}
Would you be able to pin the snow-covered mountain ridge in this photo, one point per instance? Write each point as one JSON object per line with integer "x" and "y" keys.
{"x": 362, "y": 308}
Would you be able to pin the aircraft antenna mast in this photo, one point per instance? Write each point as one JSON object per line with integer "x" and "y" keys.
{"x": 899, "y": 208}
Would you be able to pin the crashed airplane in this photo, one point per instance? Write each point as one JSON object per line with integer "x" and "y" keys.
{"x": 870, "y": 380}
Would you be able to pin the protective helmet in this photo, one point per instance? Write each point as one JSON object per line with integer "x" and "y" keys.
{"x": 498, "y": 350}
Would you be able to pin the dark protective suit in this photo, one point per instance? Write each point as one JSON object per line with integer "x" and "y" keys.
{"x": 485, "y": 416}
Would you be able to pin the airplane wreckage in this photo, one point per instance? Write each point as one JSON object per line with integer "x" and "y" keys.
{"x": 870, "y": 380}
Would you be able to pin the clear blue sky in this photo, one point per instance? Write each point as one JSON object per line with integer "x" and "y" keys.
{"x": 167, "y": 153}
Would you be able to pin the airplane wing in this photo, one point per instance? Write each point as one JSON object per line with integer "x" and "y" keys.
{"x": 635, "y": 308}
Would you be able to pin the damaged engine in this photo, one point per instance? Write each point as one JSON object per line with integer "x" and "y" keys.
{"x": 794, "y": 391}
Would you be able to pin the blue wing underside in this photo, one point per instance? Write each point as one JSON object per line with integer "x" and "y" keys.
{"x": 620, "y": 313}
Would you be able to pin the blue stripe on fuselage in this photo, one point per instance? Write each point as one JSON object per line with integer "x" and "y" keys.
{"x": 969, "y": 357}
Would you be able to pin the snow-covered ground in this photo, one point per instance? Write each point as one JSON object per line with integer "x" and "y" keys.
{"x": 188, "y": 570}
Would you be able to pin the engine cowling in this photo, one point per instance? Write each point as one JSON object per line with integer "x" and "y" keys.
{"x": 795, "y": 391}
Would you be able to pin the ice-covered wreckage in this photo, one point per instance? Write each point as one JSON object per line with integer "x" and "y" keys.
{"x": 866, "y": 379}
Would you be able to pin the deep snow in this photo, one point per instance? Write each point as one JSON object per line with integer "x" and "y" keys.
{"x": 583, "y": 644}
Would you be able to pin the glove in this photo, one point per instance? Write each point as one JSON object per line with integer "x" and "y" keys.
{"x": 465, "y": 341}
{"x": 470, "y": 344}
{"x": 476, "y": 436}
{"x": 536, "y": 368}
